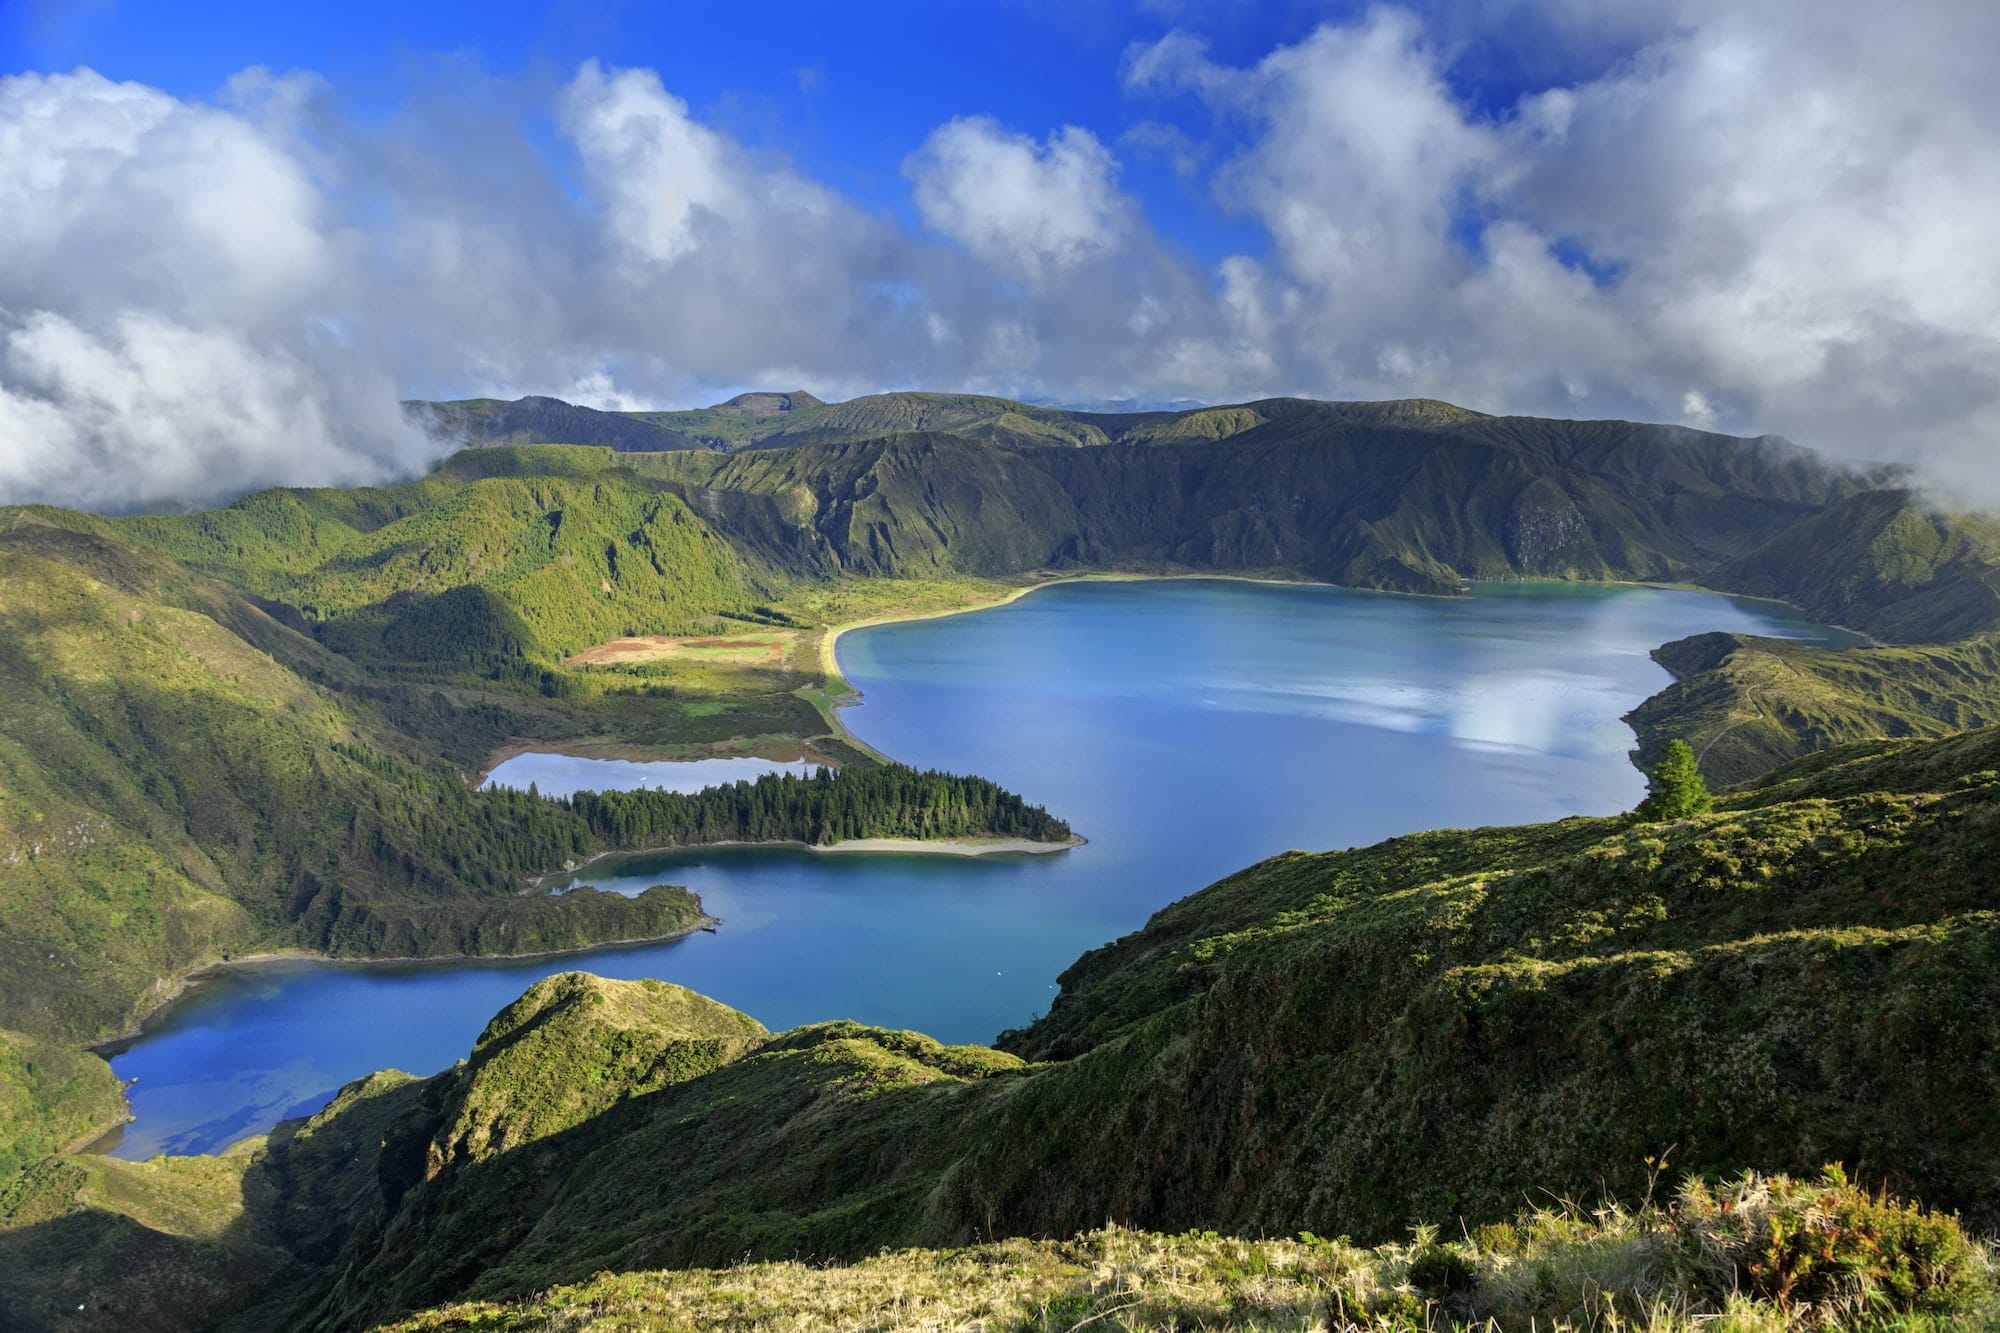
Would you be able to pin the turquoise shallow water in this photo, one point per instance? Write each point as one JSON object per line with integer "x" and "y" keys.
{"x": 1187, "y": 728}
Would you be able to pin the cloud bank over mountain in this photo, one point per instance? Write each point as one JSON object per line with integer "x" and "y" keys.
{"x": 1770, "y": 218}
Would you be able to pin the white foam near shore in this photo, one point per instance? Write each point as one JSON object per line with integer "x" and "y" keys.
{"x": 567, "y": 774}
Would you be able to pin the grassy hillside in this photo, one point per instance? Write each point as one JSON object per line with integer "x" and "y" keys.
{"x": 463, "y": 567}
{"x": 1307, "y": 490}
{"x": 1884, "y": 562}
{"x": 184, "y": 777}
{"x": 52, "y": 1097}
{"x": 173, "y": 791}
{"x": 1693, "y": 1264}
{"x": 1747, "y": 704}
{"x": 1432, "y": 1027}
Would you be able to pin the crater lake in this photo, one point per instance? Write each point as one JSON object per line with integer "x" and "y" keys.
{"x": 1186, "y": 728}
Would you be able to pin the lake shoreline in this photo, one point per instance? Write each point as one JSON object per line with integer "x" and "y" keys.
{"x": 842, "y": 695}
{"x": 192, "y": 977}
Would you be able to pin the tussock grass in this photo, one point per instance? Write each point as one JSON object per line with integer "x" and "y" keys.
{"x": 1703, "y": 1260}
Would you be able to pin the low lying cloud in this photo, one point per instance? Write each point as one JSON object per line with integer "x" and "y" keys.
{"x": 154, "y": 411}
{"x": 1765, "y": 218}
{"x": 1773, "y": 218}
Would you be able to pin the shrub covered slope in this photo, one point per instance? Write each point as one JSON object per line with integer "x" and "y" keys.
{"x": 184, "y": 777}
{"x": 1433, "y": 1027}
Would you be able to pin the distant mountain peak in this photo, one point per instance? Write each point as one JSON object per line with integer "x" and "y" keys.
{"x": 765, "y": 403}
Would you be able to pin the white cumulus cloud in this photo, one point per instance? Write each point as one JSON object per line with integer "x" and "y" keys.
{"x": 1032, "y": 210}
{"x": 1764, "y": 218}
{"x": 1773, "y": 217}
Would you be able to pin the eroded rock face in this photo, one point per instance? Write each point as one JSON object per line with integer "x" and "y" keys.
{"x": 1545, "y": 530}
{"x": 767, "y": 404}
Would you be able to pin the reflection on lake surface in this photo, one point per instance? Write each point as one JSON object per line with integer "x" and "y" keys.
{"x": 568, "y": 774}
{"x": 1186, "y": 728}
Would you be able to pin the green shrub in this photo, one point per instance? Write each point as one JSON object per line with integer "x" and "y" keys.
{"x": 1833, "y": 1252}
{"x": 1442, "y": 1272}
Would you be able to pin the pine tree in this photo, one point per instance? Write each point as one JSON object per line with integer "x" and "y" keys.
{"x": 1678, "y": 789}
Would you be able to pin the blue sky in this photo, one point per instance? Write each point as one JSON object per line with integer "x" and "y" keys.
{"x": 846, "y": 90}
{"x": 232, "y": 236}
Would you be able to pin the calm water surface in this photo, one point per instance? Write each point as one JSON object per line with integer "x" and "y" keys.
{"x": 568, "y": 774}
{"x": 1186, "y": 728}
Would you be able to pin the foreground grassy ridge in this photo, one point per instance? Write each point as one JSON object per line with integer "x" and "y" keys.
{"x": 1434, "y": 1027}
{"x": 1704, "y": 1261}
{"x": 1429, "y": 1024}
{"x": 259, "y": 1238}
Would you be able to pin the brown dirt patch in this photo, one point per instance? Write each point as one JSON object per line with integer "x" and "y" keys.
{"x": 758, "y": 649}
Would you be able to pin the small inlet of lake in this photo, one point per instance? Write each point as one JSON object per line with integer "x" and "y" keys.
{"x": 568, "y": 774}
{"x": 1187, "y": 728}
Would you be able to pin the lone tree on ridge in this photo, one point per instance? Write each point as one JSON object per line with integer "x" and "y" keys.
{"x": 1678, "y": 789}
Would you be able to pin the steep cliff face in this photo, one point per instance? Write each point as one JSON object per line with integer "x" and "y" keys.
{"x": 1883, "y": 562}
{"x": 1403, "y": 502}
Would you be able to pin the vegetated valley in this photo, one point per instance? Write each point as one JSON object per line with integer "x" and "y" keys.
{"x": 260, "y": 728}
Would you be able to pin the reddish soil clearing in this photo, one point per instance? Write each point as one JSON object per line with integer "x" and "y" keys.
{"x": 772, "y": 648}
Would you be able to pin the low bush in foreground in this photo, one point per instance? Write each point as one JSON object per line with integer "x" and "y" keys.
{"x": 1756, "y": 1253}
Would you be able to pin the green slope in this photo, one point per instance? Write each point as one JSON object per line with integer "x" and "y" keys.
{"x": 172, "y": 791}
{"x": 563, "y": 557}
{"x": 1748, "y": 704}
{"x": 1431, "y": 1027}
{"x": 1305, "y": 491}
{"x": 184, "y": 778}
{"x": 1696, "y": 1263}
{"x": 1883, "y": 562}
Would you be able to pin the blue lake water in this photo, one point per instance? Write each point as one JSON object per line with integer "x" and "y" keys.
{"x": 1186, "y": 728}
{"x": 568, "y": 774}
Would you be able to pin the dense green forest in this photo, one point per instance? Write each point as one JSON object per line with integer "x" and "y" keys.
{"x": 889, "y": 801}
{"x": 1608, "y": 1011}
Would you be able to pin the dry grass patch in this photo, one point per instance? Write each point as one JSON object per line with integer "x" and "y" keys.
{"x": 750, "y": 648}
{"x": 1758, "y": 1254}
